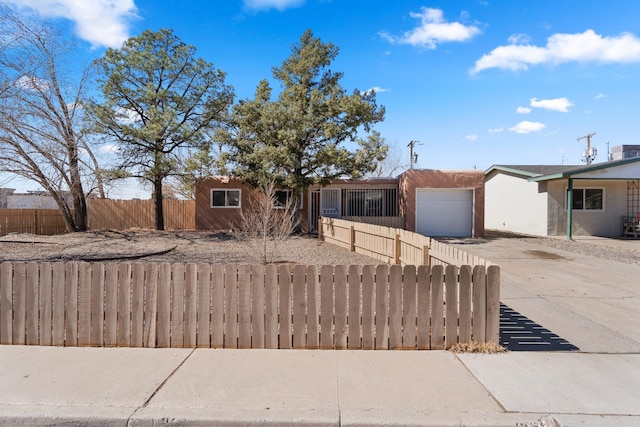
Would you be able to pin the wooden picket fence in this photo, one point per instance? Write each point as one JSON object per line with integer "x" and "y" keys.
{"x": 247, "y": 306}
{"x": 393, "y": 245}
{"x": 387, "y": 221}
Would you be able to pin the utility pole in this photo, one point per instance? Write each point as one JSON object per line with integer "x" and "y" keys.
{"x": 413, "y": 158}
{"x": 589, "y": 154}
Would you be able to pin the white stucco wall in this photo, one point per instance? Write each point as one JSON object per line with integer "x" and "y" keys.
{"x": 607, "y": 222}
{"x": 31, "y": 201}
{"x": 514, "y": 204}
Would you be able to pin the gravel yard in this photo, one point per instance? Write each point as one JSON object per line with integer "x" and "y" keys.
{"x": 628, "y": 256}
{"x": 204, "y": 247}
{"x": 601, "y": 250}
{"x": 166, "y": 246}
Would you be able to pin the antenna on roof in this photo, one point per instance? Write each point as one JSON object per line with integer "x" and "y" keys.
{"x": 590, "y": 153}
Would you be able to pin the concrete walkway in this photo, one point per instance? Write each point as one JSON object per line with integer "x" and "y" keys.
{"x": 592, "y": 303}
{"x": 145, "y": 387}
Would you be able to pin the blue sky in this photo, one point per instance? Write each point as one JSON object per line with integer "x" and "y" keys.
{"x": 477, "y": 82}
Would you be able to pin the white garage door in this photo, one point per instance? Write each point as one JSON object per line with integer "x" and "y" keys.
{"x": 444, "y": 212}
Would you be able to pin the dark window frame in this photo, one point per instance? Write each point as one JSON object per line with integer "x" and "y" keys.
{"x": 588, "y": 199}
{"x": 228, "y": 198}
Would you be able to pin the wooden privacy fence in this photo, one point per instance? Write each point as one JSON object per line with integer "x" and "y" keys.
{"x": 247, "y": 306}
{"x": 34, "y": 221}
{"x": 123, "y": 214}
{"x": 102, "y": 214}
{"x": 393, "y": 245}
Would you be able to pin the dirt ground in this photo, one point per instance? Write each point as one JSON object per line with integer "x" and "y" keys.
{"x": 166, "y": 246}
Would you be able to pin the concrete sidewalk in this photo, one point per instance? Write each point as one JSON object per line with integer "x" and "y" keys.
{"x": 140, "y": 387}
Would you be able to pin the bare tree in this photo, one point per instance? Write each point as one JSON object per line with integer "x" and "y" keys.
{"x": 267, "y": 224}
{"x": 393, "y": 164}
{"x": 41, "y": 111}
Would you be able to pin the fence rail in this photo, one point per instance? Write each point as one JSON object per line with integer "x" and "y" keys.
{"x": 247, "y": 306}
{"x": 102, "y": 214}
{"x": 393, "y": 245}
{"x": 387, "y": 221}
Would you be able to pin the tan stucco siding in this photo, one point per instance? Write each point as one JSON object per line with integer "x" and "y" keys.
{"x": 414, "y": 179}
{"x": 226, "y": 218}
{"x": 607, "y": 223}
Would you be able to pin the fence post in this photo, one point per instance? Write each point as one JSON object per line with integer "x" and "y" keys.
{"x": 320, "y": 228}
{"x": 352, "y": 239}
{"x": 493, "y": 305}
{"x": 397, "y": 251}
{"x": 425, "y": 255}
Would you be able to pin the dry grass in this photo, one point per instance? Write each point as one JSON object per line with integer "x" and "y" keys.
{"x": 478, "y": 347}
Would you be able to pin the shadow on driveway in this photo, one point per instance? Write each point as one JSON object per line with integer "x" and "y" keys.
{"x": 519, "y": 333}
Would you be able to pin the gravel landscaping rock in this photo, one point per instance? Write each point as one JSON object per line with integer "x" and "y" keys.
{"x": 166, "y": 246}
{"x": 603, "y": 251}
{"x": 185, "y": 246}
{"x": 628, "y": 256}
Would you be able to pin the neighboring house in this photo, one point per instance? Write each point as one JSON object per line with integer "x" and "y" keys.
{"x": 4, "y": 193}
{"x": 625, "y": 152}
{"x": 31, "y": 200}
{"x": 430, "y": 202}
{"x": 597, "y": 200}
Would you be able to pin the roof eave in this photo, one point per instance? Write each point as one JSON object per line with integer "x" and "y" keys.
{"x": 510, "y": 170}
{"x": 569, "y": 174}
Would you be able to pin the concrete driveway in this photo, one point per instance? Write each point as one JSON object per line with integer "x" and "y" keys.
{"x": 562, "y": 299}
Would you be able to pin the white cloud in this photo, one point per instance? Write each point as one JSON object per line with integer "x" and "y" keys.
{"x": 33, "y": 84}
{"x": 495, "y": 130}
{"x": 523, "y": 110}
{"x": 127, "y": 117}
{"x": 601, "y": 95}
{"x": 375, "y": 89}
{"x": 109, "y": 149}
{"x": 562, "y": 48}
{"x": 527, "y": 127}
{"x": 471, "y": 137}
{"x": 100, "y": 22}
{"x": 558, "y": 104}
{"x": 433, "y": 29}
{"x": 272, "y": 4}
{"x": 519, "y": 39}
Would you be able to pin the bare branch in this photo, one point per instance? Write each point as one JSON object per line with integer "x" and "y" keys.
{"x": 265, "y": 226}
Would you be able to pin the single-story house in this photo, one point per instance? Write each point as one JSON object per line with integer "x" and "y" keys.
{"x": 430, "y": 202}
{"x": 601, "y": 199}
{"x": 38, "y": 199}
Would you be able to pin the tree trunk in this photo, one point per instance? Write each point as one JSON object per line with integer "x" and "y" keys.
{"x": 295, "y": 197}
{"x": 157, "y": 201}
{"x": 68, "y": 219}
{"x": 77, "y": 193}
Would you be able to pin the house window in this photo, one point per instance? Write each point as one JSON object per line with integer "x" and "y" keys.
{"x": 588, "y": 199}
{"x": 225, "y": 198}
{"x": 282, "y": 197}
